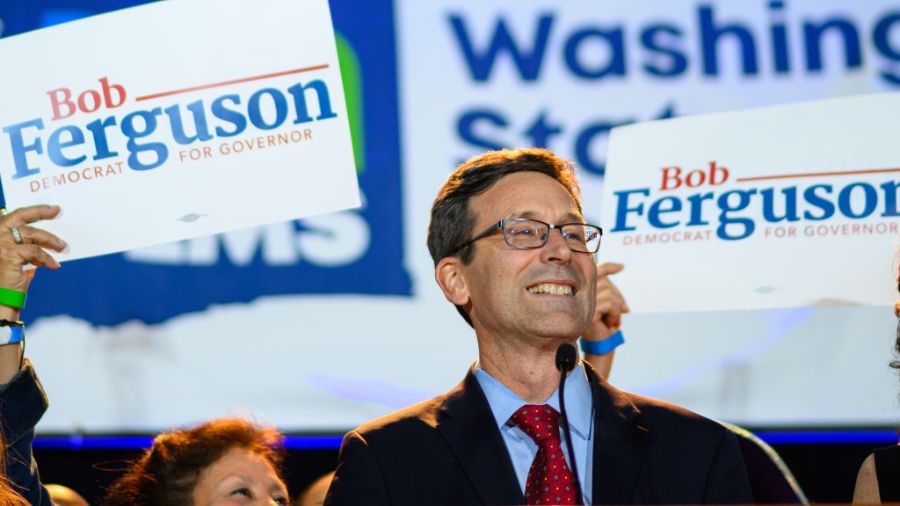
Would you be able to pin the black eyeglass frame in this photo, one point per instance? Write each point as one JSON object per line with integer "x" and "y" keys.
{"x": 501, "y": 225}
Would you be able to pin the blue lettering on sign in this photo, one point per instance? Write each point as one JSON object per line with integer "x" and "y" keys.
{"x": 70, "y": 136}
{"x": 351, "y": 252}
{"x": 484, "y": 128}
{"x": 711, "y": 46}
{"x": 481, "y": 61}
{"x": 600, "y": 49}
{"x": 638, "y": 208}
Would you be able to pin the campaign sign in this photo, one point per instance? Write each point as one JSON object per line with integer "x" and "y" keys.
{"x": 177, "y": 120}
{"x": 358, "y": 251}
{"x": 778, "y": 207}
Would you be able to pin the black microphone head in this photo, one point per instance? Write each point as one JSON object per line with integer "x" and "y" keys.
{"x": 565, "y": 357}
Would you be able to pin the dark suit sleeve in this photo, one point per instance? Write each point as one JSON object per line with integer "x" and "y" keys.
{"x": 358, "y": 478}
{"x": 728, "y": 482}
{"x": 22, "y": 403}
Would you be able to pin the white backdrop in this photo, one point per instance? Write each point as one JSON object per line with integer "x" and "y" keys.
{"x": 331, "y": 362}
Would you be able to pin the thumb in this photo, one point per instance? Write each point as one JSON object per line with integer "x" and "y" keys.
{"x": 609, "y": 268}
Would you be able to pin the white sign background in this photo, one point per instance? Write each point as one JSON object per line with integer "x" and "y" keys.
{"x": 780, "y": 263}
{"x": 231, "y": 186}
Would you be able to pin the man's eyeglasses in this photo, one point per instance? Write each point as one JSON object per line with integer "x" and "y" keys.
{"x": 524, "y": 233}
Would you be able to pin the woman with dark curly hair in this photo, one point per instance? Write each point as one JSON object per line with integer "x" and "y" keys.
{"x": 228, "y": 461}
{"x": 878, "y": 479}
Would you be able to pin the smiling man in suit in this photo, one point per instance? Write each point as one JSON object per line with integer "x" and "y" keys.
{"x": 513, "y": 254}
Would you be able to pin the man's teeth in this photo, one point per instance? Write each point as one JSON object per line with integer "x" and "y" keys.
{"x": 551, "y": 288}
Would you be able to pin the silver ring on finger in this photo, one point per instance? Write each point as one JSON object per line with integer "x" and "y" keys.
{"x": 17, "y": 236}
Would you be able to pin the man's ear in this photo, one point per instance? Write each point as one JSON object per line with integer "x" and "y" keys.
{"x": 449, "y": 274}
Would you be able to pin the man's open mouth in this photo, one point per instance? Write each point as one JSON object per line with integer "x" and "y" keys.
{"x": 552, "y": 289}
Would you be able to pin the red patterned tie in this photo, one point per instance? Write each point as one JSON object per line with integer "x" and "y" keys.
{"x": 549, "y": 479}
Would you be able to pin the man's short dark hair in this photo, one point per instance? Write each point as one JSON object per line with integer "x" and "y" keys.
{"x": 451, "y": 222}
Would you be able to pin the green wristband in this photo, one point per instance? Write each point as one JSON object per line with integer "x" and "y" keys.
{"x": 12, "y": 298}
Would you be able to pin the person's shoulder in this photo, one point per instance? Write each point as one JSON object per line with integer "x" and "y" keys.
{"x": 674, "y": 429}
{"x": 668, "y": 417}
{"x": 664, "y": 410}
{"x": 427, "y": 415}
{"x": 421, "y": 416}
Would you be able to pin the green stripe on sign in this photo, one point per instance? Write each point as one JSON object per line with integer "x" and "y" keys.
{"x": 352, "y": 80}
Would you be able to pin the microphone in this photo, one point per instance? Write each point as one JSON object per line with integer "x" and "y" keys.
{"x": 565, "y": 358}
{"x": 565, "y": 362}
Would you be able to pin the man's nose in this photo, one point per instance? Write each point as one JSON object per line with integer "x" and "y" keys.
{"x": 556, "y": 249}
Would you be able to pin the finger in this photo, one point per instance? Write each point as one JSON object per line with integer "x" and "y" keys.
{"x": 44, "y": 239}
{"x": 612, "y": 321}
{"x": 596, "y": 330}
{"x": 31, "y": 214}
{"x": 605, "y": 296}
{"x": 609, "y": 268}
{"x": 618, "y": 297}
{"x": 608, "y": 309}
{"x": 624, "y": 304}
{"x": 35, "y": 255}
{"x": 601, "y": 308}
{"x": 610, "y": 302}
{"x": 603, "y": 286}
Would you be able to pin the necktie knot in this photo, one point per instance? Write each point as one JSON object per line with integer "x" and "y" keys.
{"x": 540, "y": 422}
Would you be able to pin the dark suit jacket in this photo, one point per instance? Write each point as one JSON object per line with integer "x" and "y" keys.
{"x": 449, "y": 451}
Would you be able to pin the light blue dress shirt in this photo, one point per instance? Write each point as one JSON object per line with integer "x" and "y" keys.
{"x": 522, "y": 449}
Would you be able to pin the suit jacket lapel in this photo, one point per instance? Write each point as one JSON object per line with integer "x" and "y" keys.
{"x": 619, "y": 444}
{"x": 468, "y": 426}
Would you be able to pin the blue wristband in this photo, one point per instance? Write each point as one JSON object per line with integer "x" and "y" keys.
{"x": 11, "y": 335}
{"x": 604, "y": 346}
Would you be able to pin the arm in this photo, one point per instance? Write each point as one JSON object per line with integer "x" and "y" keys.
{"x": 610, "y": 305}
{"x": 22, "y": 399}
{"x": 358, "y": 478}
{"x": 866, "y": 490}
{"x": 22, "y": 403}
